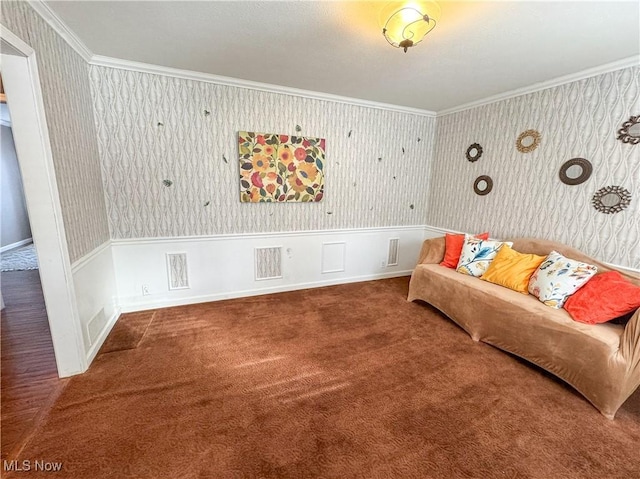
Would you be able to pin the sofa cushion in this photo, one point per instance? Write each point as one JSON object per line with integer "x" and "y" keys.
{"x": 605, "y": 297}
{"x": 476, "y": 255}
{"x": 512, "y": 269}
{"x": 559, "y": 277}
{"x": 488, "y": 307}
{"x": 453, "y": 248}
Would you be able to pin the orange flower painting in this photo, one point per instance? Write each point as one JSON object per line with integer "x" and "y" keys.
{"x": 279, "y": 168}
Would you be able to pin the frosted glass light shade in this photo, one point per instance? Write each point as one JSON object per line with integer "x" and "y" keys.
{"x": 407, "y": 23}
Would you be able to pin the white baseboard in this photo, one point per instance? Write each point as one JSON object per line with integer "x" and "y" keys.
{"x": 132, "y": 307}
{"x": 15, "y": 245}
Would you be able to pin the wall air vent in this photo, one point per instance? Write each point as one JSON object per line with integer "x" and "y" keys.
{"x": 392, "y": 258}
{"x": 268, "y": 263}
{"x": 95, "y": 326}
{"x": 177, "y": 271}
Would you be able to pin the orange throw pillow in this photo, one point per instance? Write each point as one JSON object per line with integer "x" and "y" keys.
{"x": 512, "y": 269}
{"x": 604, "y": 297}
{"x": 453, "y": 248}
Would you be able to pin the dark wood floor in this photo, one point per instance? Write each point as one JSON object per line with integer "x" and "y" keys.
{"x": 29, "y": 376}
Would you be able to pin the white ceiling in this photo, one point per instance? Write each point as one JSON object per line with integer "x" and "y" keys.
{"x": 478, "y": 49}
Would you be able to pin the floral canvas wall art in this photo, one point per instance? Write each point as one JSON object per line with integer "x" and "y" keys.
{"x": 280, "y": 168}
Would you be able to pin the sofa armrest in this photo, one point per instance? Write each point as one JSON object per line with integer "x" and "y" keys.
{"x": 432, "y": 251}
{"x": 630, "y": 344}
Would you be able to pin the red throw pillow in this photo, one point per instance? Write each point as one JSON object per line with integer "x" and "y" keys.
{"x": 453, "y": 248}
{"x": 604, "y": 297}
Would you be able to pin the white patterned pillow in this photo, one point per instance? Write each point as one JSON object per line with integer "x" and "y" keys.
{"x": 477, "y": 254}
{"x": 559, "y": 277}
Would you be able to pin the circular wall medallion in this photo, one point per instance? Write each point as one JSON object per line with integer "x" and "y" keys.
{"x": 575, "y": 171}
{"x": 630, "y": 131}
{"x": 474, "y": 152}
{"x": 483, "y": 185}
{"x": 611, "y": 199}
{"x": 528, "y": 141}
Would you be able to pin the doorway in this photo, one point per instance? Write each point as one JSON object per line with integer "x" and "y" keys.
{"x": 29, "y": 127}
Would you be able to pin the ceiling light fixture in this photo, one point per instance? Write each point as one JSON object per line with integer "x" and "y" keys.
{"x": 407, "y": 24}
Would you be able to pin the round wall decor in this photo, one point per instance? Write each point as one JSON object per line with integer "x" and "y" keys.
{"x": 630, "y": 131}
{"x": 474, "y": 152}
{"x": 483, "y": 185}
{"x": 528, "y": 141}
{"x": 611, "y": 199}
{"x": 575, "y": 171}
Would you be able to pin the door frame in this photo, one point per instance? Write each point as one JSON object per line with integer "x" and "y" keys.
{"x": 35, "y": 158}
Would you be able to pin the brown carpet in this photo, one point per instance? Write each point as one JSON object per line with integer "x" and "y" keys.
{"x": 340, "y": 382}
{"x": 127, "y": 332}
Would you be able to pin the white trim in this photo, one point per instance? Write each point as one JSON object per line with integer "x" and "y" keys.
{"x": 440, "y": 231}
{"x": 15, "y": 42}
{"x": 99, "y": 60}
{"x": 396, "y": 252}
{"x": 4, "y": 122}
{"x": 573, "y": 77}
{"x": 31, "y": 137}
{"x": 280, "y": 234}
{"x": 623, "y": 268}
{"x": 102, "y": 61}
{"x": 74, "y": 42}
{"x": 17, "y": 244}
{"x": 186, "y": 266}
{"x": 255, "y": 263}
{"x": 91, "y": 354}
{"x": 61, "y": 28}
{"x": 323, "y": 253}
{"x": 80, "y": 263}
{"x": 142, "y": 306}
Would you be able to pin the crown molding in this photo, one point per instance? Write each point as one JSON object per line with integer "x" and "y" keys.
{"x": 118, "y": 63}
{"x": 74, "y": 41}
{"x": 629, "y": 62}
{"x": 61, "y": 28}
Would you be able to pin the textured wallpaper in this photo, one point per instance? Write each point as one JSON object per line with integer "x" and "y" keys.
{"x": 67, "y": 100}
{"x": 153, "y": 128}
{"x": 579, "y": 119}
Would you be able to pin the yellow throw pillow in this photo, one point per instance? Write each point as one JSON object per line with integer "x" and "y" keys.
{"x": 512, "y": 269}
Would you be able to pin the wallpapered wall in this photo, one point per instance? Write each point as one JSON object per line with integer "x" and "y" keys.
{"x": 579, "y": 119}
{"x": 68, "y": 106}
{"x": 369, "y": 181}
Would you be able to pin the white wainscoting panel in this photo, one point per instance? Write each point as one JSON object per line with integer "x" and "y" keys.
{"x": 177, "y": 271}
{"x": 94, "y": 279}
{"x": 222, "y": 267}
{"x": 392, "y": 257}
{"x": 268, "y": 263}
{"x": 333, "y": 256}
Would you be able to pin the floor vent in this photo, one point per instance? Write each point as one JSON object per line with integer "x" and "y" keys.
{"x": 95, "y": 326}
{"x": 268, "y": 263}
{"x": 177, "y": 270}
{"x": 392, "y": 258}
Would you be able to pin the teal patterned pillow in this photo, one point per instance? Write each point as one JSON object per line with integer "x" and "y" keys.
{"x": 559, "y": 277}
{"x": 477, "y": 254}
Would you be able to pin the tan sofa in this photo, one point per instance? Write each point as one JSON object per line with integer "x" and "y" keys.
{"x": 601, "y": 361}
